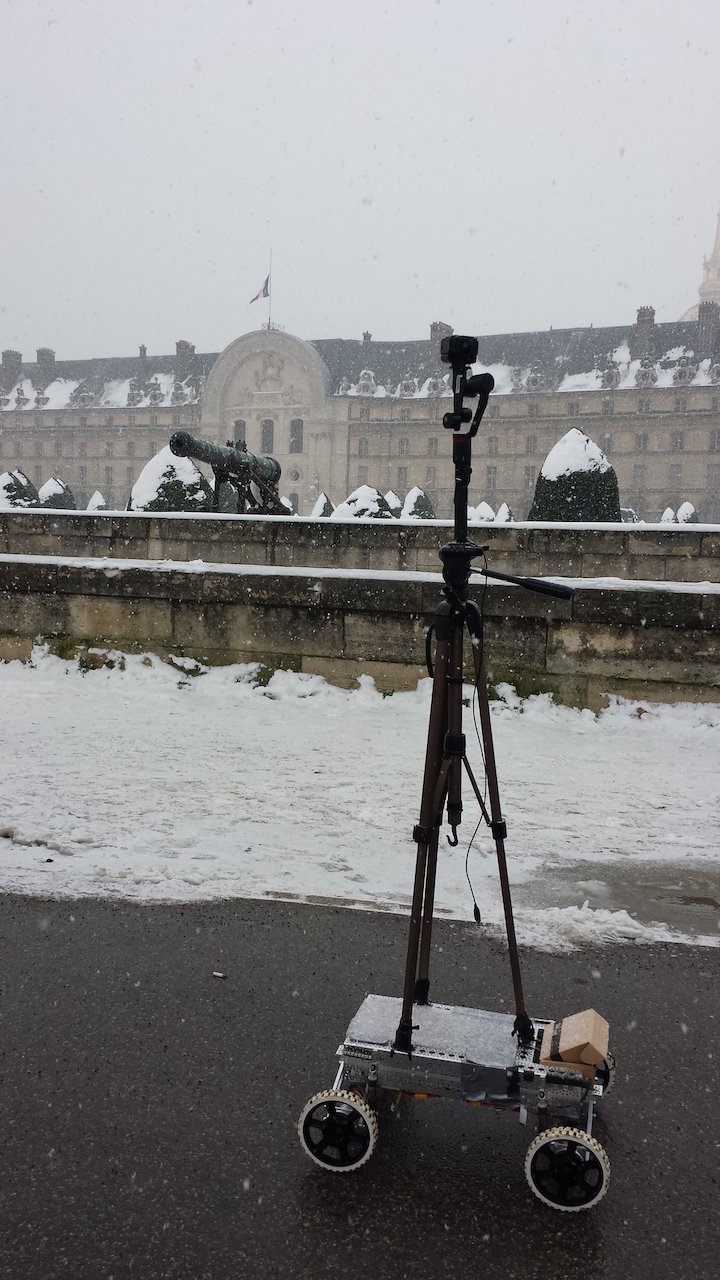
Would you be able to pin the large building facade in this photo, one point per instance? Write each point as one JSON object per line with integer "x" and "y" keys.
{"x": 338, "y": 413}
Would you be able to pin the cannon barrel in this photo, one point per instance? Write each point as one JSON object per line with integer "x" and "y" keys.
{"x": 231, "y": 462}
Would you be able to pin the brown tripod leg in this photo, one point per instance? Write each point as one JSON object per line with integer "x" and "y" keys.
{"x": 427, "y": 830}
{"x": 523, "y": 1025}
{"x": 449, "y": 783}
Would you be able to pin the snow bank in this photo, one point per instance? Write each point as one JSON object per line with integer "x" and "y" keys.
{"x": 102, "y": 796}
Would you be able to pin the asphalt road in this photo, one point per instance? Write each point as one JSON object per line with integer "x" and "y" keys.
{"x": 148, "y": 1109}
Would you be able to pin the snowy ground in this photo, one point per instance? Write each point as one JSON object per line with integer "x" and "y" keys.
{"x": 148, "y": 783}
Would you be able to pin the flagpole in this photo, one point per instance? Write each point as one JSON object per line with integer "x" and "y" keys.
{"x": 270, "y": 291}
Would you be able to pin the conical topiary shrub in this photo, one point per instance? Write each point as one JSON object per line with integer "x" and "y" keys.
{"x": 56, "y": 495}
{"x": 576, "y": 483}
{"x": 17, "y": 491}
{"x": 364, "y": 501}
{"x": 323, "y": 508}
{"x": 417, "y": 506}
{"x": 169, "y": 483}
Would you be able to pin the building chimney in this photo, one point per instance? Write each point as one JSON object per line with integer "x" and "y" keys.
{"x": 367, "y": 336}
{"x": 708, "y": 338}
{"x": 11, "y": 368}
{"x": 641, "y": 339}
{"x": 439, "y": 330}
{"x": 184, "y": 358}
{"x": 45, "y": 366}
{"x": 143, "y": 354}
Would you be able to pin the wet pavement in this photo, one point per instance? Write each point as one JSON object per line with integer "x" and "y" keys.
{"x": 148, "y": 1108}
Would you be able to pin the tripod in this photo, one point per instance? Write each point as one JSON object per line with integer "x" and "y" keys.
{"x": 445, "y": 757}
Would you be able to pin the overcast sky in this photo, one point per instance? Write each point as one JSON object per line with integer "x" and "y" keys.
{"x": 499, "y": 166}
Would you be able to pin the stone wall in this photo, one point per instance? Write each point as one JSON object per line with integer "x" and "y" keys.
{"x": 671, "y": 553}
{"x": 651, "y": 643}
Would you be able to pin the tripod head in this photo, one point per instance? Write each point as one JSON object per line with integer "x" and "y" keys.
{"x": 460, "y": 352}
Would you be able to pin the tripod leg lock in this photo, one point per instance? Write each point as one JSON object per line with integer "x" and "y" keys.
{"x": 499, "y": 829}
{"x": 422, "y": 835}
{"x": 454, "y": 745}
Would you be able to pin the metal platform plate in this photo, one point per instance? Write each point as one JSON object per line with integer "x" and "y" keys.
{"x": 443, "y": 1031}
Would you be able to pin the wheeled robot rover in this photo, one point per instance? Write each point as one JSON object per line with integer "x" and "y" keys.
{"x": 551, "y": 1073}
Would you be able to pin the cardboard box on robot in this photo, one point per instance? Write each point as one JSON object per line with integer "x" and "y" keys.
{"x": 579, "y": 1042}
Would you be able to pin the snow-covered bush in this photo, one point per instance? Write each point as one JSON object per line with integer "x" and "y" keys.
{"x": 55, "y": 493}
{"x": 364, "y": 501}
{"x": 504, "y": 515}
{"x": 686, "y": 514}
{"x": 323, "y": 508}
{"x": 482, "y": 514}
{"x": 417, "y": 506}
{"x": 668, "y": 516}
{"x": 393, "y": 502}
{"x": 97, "y": 502}
{"x": 169, "y": 483}
{"x": 576, "y": 483}
{"x": 17, "y": 491}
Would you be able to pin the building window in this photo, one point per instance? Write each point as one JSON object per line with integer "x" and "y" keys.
{"x": 404, "y": 413}
{"x": 176, "y": 421}
{"x": 364, "y": 414}
{"x": 531, "y": 445}
{"x": 108, "y": 420}
{"x": 83, "y": 421}
{"x": 492, "y": 445}
{"x": 38, "y": 476}
{"x": 38, "y": 449}
{"x": 362, "y": 475}
{"x": 430, "y": 476}
{"x": 716, "y": 404}
{"x": 643, "y": 405}
{"x": 152, "y": 447}
{"x": 494, "y": 411}
{"x": 18, "y": 449}
{"x": 680, "y": 404}
{"x": 109, "y": 448}
{"x": 404, "y": 447}
{"x": 606, "y": 442}
{"x": 574, "y": 409}
{"x": 296, "y": 435}
{"x": 108, "y": 475}
{"x": 82, "y": 449}
{"x": 267, "y": 435}
{"x": 83, "y": 475}
{"x": 715, "y": 442}
{"x": 529, "y": 479}
{"x": 58, "y": 448}
{"x": 130, "y": 420}
{"x": 713, "y": 479}
{"x": 240, "y": 426}
{"x": 677, "y": 441}
{"x": 675, "y": 478}
{"x": 294, "y": 500}
{"x": 639, "y": 478}
{"x": 641, "y": 442}
{"x": 129, "y": 475}
{"x": 131, "y": 448}
{"x": 608, "y": 407}
{"x": 363, "y": 448}
{"x": 402, "y": 477}
{"x": 533, "y": 409}
{"x": 432, "y": 447}
{"x": 153, "y": 420}
{"x": 490, "y": 479}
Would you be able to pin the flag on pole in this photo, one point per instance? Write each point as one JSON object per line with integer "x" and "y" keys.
{"x": 264, "y": 292}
